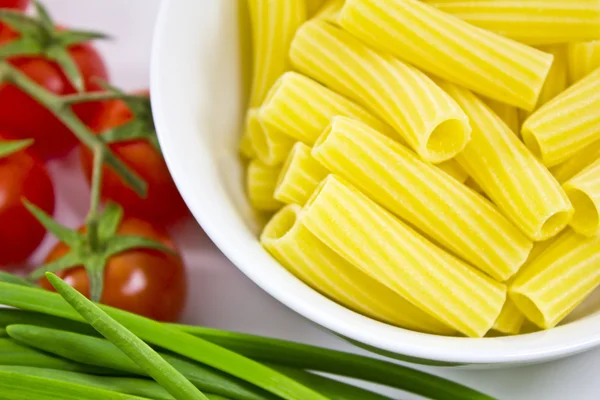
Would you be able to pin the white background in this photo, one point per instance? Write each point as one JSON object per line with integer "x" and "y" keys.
{"x": 220, "y": 295}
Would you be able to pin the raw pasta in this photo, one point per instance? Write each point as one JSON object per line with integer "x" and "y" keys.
{"x": 270, "y": 145}
{"x": 260, "y": 186}
{"x": 299, "y": 177}
{"x": 302, "y": 108}
{"x": 420, "y": 194}
{"x": 288, "y": 240}
{"x": 443, "y": 45}
{"x": 533, "y": 22}
{"x": 558, "y": 280}
{"x": 567, "y": 124}
{"x": 509, "y": 174}
{"x": 584, "y": 57}
{"x": 274, "y": 24}
{"x": 389, "y": 251}
{"x": 426, "y": 117}
{"x": 584, "y": 192}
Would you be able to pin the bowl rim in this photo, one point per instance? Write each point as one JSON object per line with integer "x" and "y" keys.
{"x": 541, "y": 346}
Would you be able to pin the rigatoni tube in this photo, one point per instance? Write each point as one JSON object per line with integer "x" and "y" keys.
{"x": 302, "y": 108}
{"x": 584, "y": 57}
{"x": 288, "y": 240}
{"x": 274, "y": 24}
{"x": 389, "y": 251}
{"x": 261, "y": 180}
{"x": 567, "y": 124}
{"x": 558, "y": 280}
{"x": 584, "y": 192}
{"x": 533, "y": 22}
{"x": 509, "y": 174}
{"x": 299, "y": 177}
{"x": 420, "y": 194}
{"x": 452, "y": 49}
{"x": 426, "y": 117}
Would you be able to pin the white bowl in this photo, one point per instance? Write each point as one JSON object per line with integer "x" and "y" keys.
{"x": 198, "y": 104}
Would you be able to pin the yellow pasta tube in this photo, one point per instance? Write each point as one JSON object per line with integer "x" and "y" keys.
{"x": 533, "y": 22}
{"x": 574, "y": 165}
{"x": 439, "y": 206}
{"x": 302, "y": 108}
{"x": 274, "y": 23}
{"x": 453, "y": 168}
{"x": 389, "y": 251}
{"x": 270, "y": 145}
{"x": 584, "y": 57}
{"x": 559, "y": 279}
{"x": 299, "y": 177}
{"x": 584, "y": 192}
{"x": 509, "y": 174}
{"x": 507, "y": 113}
{"x": 567, "y": 124}
{"x": 443, "y": 45}
{"x": 298, "y": 250}
{"x": 260, "y": 185}
{"x": 426, "y": 117}
{"x": 510, "y": 320}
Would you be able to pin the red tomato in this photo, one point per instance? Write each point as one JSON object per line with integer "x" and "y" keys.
{"x": 22, "y": 176}
{"x": 163, "y": 204}
{"x": 15, "y": 4}
{"x": 146, "y": 282}
{"x": 23, "y": 117}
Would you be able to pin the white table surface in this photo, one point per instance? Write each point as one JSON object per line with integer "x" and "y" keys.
{"x": 220, "y": 295}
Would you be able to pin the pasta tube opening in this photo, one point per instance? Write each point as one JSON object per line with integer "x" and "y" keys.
{"x": 447, "y": 139}
{"x": 585, "y": 219}
{"x": 280, "y": 224}
{"x": 529, "y": 308}
{"x": 555, "y": 223}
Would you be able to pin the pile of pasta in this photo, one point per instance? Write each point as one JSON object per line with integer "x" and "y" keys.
{"x": 433, "y": 164}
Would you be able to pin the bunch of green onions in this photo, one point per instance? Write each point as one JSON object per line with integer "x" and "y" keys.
{"x": 62, "y": 346}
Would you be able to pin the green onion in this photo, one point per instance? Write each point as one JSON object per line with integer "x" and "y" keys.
{"x": 13, "y": 353}
{"x": 11, "y": 316}
{"x": 329, "y": 387}
{"x": 303, "y": 356}
{"x": 16, "y": 386}
{"x": 167, "y": 337}
{"x": 143, "y": 355}
{"x": 132, "y": 386}
{"x": 100, "y": 352}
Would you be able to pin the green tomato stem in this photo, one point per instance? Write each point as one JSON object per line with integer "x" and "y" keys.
{"x": 92, "y": 217}
{"x": 66, "y": 115}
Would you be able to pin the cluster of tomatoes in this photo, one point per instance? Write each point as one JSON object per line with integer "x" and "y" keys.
{"x": 146, "y": 282}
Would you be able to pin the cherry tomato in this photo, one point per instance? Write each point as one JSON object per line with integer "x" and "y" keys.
{"x": 146, "y": 282}
{"x": 163, "y": 203}
{"x": 23, "y": 117}
{"x": 15, "y": 4}
{"x": 22, "y": 176}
